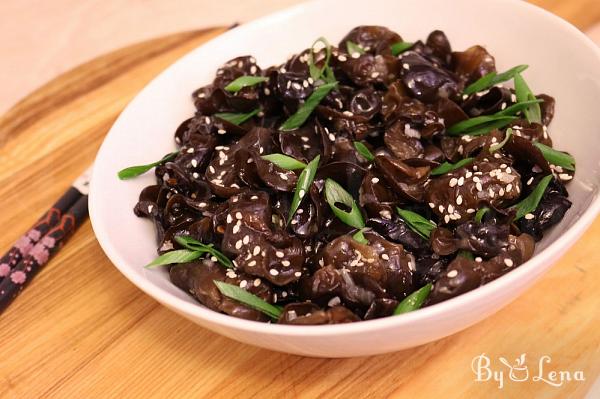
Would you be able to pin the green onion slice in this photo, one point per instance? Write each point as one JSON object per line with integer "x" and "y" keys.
{"x": 448, "y": 167}
{"x": 244, "y": 81}
{"x": 303, "y": 185}
{"x": 416, "y": 222}
{"x": 360, "y": 236}
{"x": 364, "y": 151}
{"x": 335, "y": 194}
{"x": 193, "y": 244}
{"x": 302, "y": 114}
{"x": 559, "y": 158}
{"x": 496, "y": 147}
{"x": 134, "y": 171}
{"x": 354, "y": 48}
{"x": 493, "y": 78}
{"x": 480, "y": 213}
{"x": 530, "y": 203}
{"x": 241, "y": 295}
{"x": 284, "y": 161}
{"x": 177, "y": 256}
{"x": 414, "y": 301}
{"x": 236, "y": 118}
{"x": 533, "y": 113}
{"x": 400, "y": 47}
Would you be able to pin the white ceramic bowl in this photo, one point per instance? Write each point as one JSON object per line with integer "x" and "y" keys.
{"x": 563, "y": 63}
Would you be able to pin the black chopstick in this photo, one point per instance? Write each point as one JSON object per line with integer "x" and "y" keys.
{"x": 49, "y": 219}
{"x": 33, "y": 250}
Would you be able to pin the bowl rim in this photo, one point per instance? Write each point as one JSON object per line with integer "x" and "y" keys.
{"x": 197, "y": 310}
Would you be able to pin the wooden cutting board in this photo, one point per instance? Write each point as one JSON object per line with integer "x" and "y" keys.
{"x": 82, "y": 330}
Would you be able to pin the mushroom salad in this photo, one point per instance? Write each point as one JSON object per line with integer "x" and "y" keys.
{"x": 355, "y": 182}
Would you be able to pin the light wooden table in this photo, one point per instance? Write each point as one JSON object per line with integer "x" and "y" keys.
{"x": 82, "y": 330}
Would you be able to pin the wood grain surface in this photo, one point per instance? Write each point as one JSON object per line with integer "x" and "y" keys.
{"x": 81, "y": 330}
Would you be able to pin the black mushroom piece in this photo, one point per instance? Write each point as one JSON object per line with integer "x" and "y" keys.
{"x": 359, "y": 273}
{"x": 425, "y": 81}
{"x": 197, "y": 278}
{"x": 307, "y": 313}
{"x": 463, "y": 275}
{"x": 383, "y": 133}
{"x": 551, "y": 209}
{"x": 457, "y": 195}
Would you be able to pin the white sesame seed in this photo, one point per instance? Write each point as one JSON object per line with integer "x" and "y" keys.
{"x": 243, "y": 284}
{"x": 375, "y": 75}
{"x": 431, "y": 205}
{"x": 529, "y": 216}
{"x": 461, "y": 181}
{"x": 342, "y": 58}
{"x": 279, "y": 254}
{"x": 530, "y": 181}
{"x": 476, "y": 179}
{"x": 508, "y": 170}
{"x": 446, "y": 219}
{"x": 491, "y": 192}
{"x": 478, "y": 186}
{"x": 246, "y": 239}
{"x": 267, "y": 91}
{"x": 301, "y": 193}
{"x": 385, "y": 257}
{"x": 375, "y": 180}
{"x": 213, "y": 258}
{"x": 221, "y": 131}
{"x": 508, "y": 262}
{"x": 478, "y": 259}
{"x": 257, "y": 282}
{"x": 441, "y": 208}
{"x": 231, "y": 274}
{"x": 285, "y": 263}
{"x": 459, "y": 200}
{"x": 452, "y": 273}
{"x": 356, "y": 54}
{"x": 229, "y": 218}
{"x": 509, "y": 187}
{"x": 468, "y": 175}
{"x": 252, "y": 263}
{"x": 238, "y": 244}
{"x": 385, "y": 214}
{"x": 273, "y": 272}
{"x": 297, "y": 274}
{"x": 331, "y": 137}
{"x": 334, "y": 301}
{"x": 405, "y": 66}
{"x": 453, "y": 182}
{"x": 238, "y": 215}
{"x": 471, "y": 210}
{"x": 235, "y": 229}
{"x": 565, "y": 176}
{"x": 450, "y": 208}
